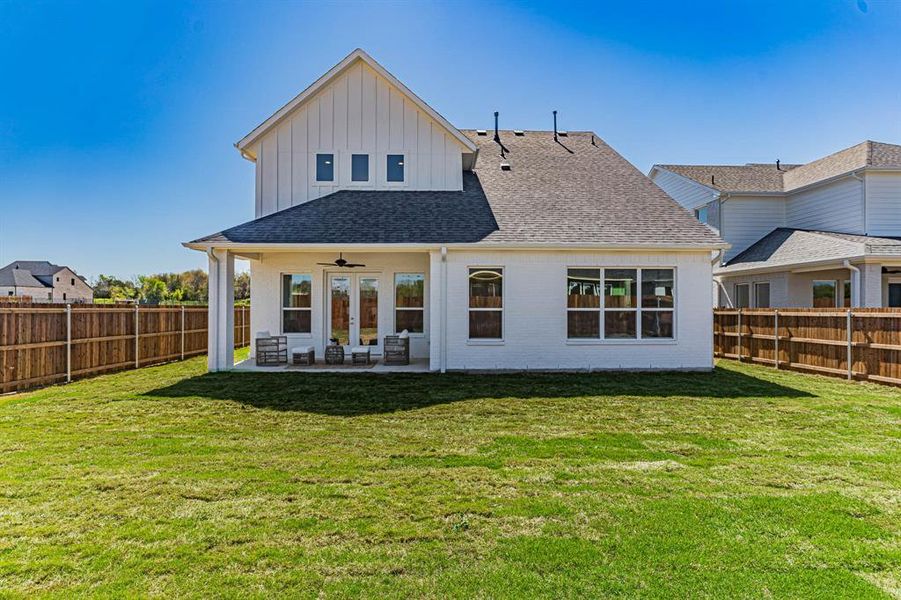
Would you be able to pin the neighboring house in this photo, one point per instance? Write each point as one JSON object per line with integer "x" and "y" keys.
{"x": 827, "y": 233}
{"x": 507, "y": 250}
{"x": 43, "y": 282}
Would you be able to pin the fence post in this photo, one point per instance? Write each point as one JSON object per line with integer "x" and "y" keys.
{"x": 850, "y": 352}
{"x": 68, "y": 343}
{"x": 739, "y": 335}
{"x": 776, "y": 331}
{"x": 137, "y": 358}
{"x": 243, "y": 331}
{"x": 182, "y": 331}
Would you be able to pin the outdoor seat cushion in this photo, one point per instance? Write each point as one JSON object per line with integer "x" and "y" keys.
{"x": 404, "y": 334}
{"x": 262, "y": 334}
{"x": 301, "y": 349}
{"x": 360, "y": 350}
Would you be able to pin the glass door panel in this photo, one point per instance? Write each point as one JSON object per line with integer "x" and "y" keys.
{"x": 368, "y": 311}
{"x": 339, "y": 309}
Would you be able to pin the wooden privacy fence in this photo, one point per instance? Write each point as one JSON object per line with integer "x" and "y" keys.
{"x": 44, "y": 344}
{"x": 861, "y": 343}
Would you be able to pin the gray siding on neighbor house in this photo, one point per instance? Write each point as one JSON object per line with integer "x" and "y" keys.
{"x": 686, "y": 192}
{"x": 837, "y": 206}
{"x": 746, "y": 219}
{"x": 883, "y": 204}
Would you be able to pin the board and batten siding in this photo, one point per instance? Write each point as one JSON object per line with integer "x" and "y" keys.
{"x": 836, "y": 206}
{"x": 360, "y": 112}
{"x": 883, "y": 204}
{"x": 746, "y": 219}
{"x": 535, "y": 318}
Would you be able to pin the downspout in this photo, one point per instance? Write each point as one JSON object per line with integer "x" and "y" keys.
{"x": 855, "y": 283}
{"x": 718, "y": 258}
{"x": 215, "y": 326}
{"x": 444, "y": 309}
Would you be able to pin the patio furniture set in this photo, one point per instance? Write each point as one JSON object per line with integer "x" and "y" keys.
{"x": 272, "y": 350}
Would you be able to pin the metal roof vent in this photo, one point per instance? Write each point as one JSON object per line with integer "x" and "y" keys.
{"x": 505, "y": 166}
{"x": 519, "y": 132}
{"x": 481, "y": 132}
{"x": 563, "y": 133}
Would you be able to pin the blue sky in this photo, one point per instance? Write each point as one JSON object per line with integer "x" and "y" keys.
{"x": 117, "y": 120}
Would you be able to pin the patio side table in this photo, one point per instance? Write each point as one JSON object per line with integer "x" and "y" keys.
{"x": 334, "y": 355}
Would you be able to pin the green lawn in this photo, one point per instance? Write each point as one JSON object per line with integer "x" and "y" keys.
{"x": 169, "y": 482}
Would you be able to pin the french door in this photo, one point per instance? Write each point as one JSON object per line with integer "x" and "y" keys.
{"x": 353, "y": 310}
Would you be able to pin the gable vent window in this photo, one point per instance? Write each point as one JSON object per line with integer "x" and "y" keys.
{"x": 395, "y": 168}
{"x": 73, "y": 282}
{"x": 359, "y": 167}
{"x": 325, "y": 167}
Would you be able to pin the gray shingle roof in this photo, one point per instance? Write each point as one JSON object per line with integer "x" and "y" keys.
{"x": 567, "y": 192}
{"x": 19, "y": 278}
{"x": 734, "y": 178}
{"x": 786, "y": 247}
{"x": 765, "y": 177}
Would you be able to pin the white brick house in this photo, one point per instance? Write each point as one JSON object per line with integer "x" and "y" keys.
{"x": 43, "y": 281}
{"x": 496, "y": 249}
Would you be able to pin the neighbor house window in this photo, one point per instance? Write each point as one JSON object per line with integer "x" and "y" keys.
{"x": 762, "y": 295}
{"x": 486, "y": 303}
{"x": 325, "y": 167}
{"x": 409, "y": 302}
{"x": 824, "y": 294}
{"x": 359, "y": 167}
{"x": 742, "y": 295}
{"x": 296, "y": 303}
{"x": 846, "y": 294}
{"x": 701, "y": 214}
{"x": 395, "y": 167}
{"x": 619, "y": 303}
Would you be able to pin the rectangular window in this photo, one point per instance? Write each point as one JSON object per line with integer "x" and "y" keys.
{"x": 486, "y": 303}
{"x": 742, "y": 295}
{"x": 359, "y": 167}
{"x": 623, "y": 314}
{"x": 846, "y": 289}
{"x": 701, "y": 214}
{"x": 395, "y": 167}
{"x": 762, "y": 295}
{"x": 325, "y": 167}
{"x": 297, "y": 303}
{"x": 824, "y": 294}
{"x": 583, "y": 303}
{"x": 409, "y": 302}
{"x": 73, "y": 282}
{"x": 657, "y": 303}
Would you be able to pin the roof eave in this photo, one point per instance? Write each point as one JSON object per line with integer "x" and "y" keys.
{"x": 676, "y": 247}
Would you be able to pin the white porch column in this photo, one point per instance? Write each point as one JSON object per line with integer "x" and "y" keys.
{"x": 437, "y": 287}
{"x": 221, "y": 323}
{"x": 870, "y": 286}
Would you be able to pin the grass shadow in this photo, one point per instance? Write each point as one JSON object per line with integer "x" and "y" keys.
{"x": 352, "y": 394}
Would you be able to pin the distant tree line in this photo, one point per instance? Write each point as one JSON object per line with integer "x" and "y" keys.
{"x": 190, "y": 287}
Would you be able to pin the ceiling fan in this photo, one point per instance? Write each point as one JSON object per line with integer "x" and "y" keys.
{"x": 340, "y": 262}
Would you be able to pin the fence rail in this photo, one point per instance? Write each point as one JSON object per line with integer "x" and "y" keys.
{"x": 45, "y": 344}
{"x": 861, "y": 343}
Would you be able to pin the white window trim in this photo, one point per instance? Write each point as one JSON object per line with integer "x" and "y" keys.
{"x": 336, "y": 170}
{"x": 282, "y": 308}
{"x": 349, "y": 168}
{"x": 486, "y": 341}
{"x": 837, "y": 291}
{"x": 384, "y": 167}
{"x": 638, "y": 339}
{"x": 396, "y": 308}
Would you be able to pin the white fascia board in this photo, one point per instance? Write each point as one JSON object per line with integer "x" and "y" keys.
{"x": 204, "y": 246}
{"x": 324, "y": 80}
{"x": 799, "y": 267}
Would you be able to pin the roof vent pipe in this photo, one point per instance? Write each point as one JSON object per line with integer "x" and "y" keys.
{"x": 778, "y": 168}
{"x": 555, "y": 125}
{"x": 712, "y": 180}
{"x": 497, "y": 137}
